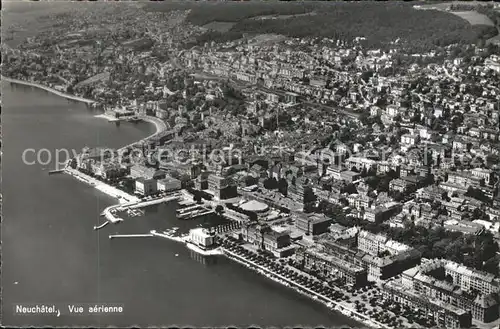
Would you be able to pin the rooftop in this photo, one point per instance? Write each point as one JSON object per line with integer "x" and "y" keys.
{"x": 254, "y": 206}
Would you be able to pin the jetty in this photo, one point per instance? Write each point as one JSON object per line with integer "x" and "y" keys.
{"x": 151, "y": 202}
{"x": 110, "y": 216}
{"x": 169, "y": 235}
{"x": 56, "y": 171}
{"x": 193, "y": 211}
{"x": 146, "y": 235}
{"x": 100, "y": 226}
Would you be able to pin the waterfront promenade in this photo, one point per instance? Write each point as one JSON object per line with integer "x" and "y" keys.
{"x": 160, "y": 125}
{"x": 304, "y": 290}
{"x": 103, "y": 187}
{"x": 50, "y": 90}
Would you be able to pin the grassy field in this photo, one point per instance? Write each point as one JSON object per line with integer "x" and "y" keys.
{"x": 473, "y": 17}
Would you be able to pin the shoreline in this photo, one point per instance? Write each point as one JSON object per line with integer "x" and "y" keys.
{"x": 160, "y": 126}
{"x": 339, "y": 307}
{"x": 128, "y": 199}
{"x": 48, "y": 89}
{"x": 125, "y": 198}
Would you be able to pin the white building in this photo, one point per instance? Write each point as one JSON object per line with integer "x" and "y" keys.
{"x": 201, "y": 237}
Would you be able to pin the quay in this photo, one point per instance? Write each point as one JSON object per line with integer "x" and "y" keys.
{"x": 112, "y": 236}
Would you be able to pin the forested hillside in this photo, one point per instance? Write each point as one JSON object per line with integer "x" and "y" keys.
{"x": 380, "y": 24}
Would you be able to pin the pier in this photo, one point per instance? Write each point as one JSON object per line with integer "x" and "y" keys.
{"x": 169, "y": 235}
{"x": 181, "y": 211}
{"x": 193, "y": 211}
{"x": 146, "y": 235}
{"x": 109, "y": 214}
{"x": 100, "y": 226}
{"x": 151, "y": 202}
{"x": 56, "y": 171}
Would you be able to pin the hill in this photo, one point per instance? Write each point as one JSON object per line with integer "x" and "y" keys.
{"x": 379, "y": 23}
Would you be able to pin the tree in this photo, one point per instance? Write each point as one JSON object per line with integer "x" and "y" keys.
{"x": 197, "y": 197}
{"x": 283, "y": 186}
{"x": 250, "y": 180}
{"x": 219, "y": 209}
{"x": 309, "y": 195}
{"x": 271, "y": 183}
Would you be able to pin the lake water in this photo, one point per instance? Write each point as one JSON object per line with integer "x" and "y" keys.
{"x": 51, "y": 254}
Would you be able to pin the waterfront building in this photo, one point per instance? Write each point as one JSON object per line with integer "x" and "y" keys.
{"x": 144, "y": 186}
{"x": 169, "y": 184}
{"x": 456, "y": 284}
{"x": 138, "y": 171}
{"x": 381, "y": 257}
{"x": 202, "y": 238}
{"x": 107, "y": 170}
{"x": 329, "y": 266}
{"x": 265, "y": 238}
{"x": 444, "y": 314}
{"x": 90, "y": 156}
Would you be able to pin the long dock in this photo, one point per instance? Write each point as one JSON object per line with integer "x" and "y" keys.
{"x": 169, "y": 236}
{"x": 56, "y": 171}
{"x": 190, "y": 208}
{"x": 202, "y": 214}
{"x": 147, "y": 235}
{"x": 152, "y": 202}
